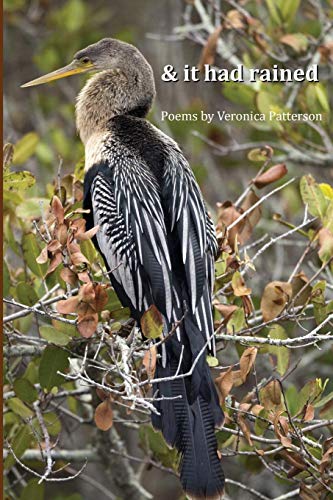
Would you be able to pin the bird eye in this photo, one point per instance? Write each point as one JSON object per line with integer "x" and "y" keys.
{"x": 85, "y": 60}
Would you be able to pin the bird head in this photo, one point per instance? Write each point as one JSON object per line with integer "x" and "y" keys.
{"x": 107, "y": 54}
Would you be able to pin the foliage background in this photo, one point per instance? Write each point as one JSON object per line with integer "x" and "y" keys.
{"x": 42, "y": 35}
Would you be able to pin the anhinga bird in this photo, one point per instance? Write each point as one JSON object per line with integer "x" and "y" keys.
{"x": 157, "y": 238}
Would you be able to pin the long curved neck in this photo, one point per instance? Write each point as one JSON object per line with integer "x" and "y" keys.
{"x": 105, "y": 95}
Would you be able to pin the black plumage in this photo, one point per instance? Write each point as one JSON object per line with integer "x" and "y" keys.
{"x": 159, "y": 243}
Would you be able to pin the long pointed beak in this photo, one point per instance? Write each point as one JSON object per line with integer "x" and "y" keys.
{"x": 71, "y": 69}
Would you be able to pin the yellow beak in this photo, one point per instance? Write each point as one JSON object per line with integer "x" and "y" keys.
{"x": 71, "y": 69}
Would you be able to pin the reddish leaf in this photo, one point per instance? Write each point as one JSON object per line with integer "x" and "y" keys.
{"x": 224, "y": 382}
{"x": 273, "y": 174}
{"x": 102, "y": 394}
{"x": 270, "y": 395}
{"x": 87, "y": 235}
{"x": 309, "y": 413}
{"x": 246, "y": 361}
{"x": 54, "y": 246}
{"x": 101, "y": 297}
{"x": 68, "y": 306}
{"x": 209, "y": 51}
{"x": 87, "y": 325}
{"x": 149, "y": 361}
{"x": 55, "y": 262}
{"x": 61, "y": 233}
{"x": 57, "y": 209}
{"x": 104, "y": 415}
{"x": 68, "y": 276}
{"x": 245, "y": 428}
{"x": 78, "y": 258}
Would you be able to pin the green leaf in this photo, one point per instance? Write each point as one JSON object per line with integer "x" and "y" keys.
{"x": 25, "y": 148}
{"x": 26, "y": 294}
{"x": 18, "y": 407}
{"x": 257, "y": 154}
{"x": 89, "y": 251}
{"x": 25, "y": 390}
{"x": 322, "y": 97}
{"x": 18, "y": 181}
{"x": 274, "y": 11}
{"x": 20, "y": 443}
{"x": 260, "y": 425}
{"x": 31, "y": 250}
{"x": 239, "y": 93}
{"x": 324, "y": 400}
{"x": 152, "y": 323}
{"x": 53, "y": 335}
{"x": 53, "y": 360}
{"x": 52, "y": 423}
{"x": 212, "y": 361}
{"x": 318, "y": 301}
{"x": 5, "y": 279}
{"x": 281, "y": 353}
{"x": 33, "y": 490}
{"x": 289, "y": 9}
{"x": 31, "y": 208}
{"x": 237, "y": 321}
{"x": 313, "y": 196}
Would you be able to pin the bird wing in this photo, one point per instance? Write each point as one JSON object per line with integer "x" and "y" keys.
{"x": 126, "y": 205}
{"x": 196, "y": 234}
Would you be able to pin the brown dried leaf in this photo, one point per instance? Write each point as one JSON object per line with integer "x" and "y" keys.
{"x": 102, "y": 394}
{"x": 87, "y": 325}
{"x": 238, "y": 285}
{"x": 57, "y": 209}
{"x": 247, "y": 305}
{"x": 234, "y": 20}
{"x": 275, "y": 297}
{"x": 78, "y": 258}
{"x": 42, "y": 257}
{"x": 101, "y": 297}
{"x": 61, "y": 233}
{"x": 270, "y": 395}
{"x": 55, "y": 262}
{"x": 104, "y": 416}
{"x": 325, "y": 238}
{"x": 226, "y": 310}
{"x": 298, "y": 282}
{"x": 306, "y": 493}
{"x": 84, "y": 276}
{"x": 252, "y": 218}
{"x": 224, "y": 382}
{"x": 149, "y": 361}
{"x": 326, "y": 52}
{"x": 53, "y": 246}
{"x": 87, "y": 235}
{"x": 68, "y": 306}
{"x": 327, "y": 460}
{"x": 246, "y": 361}
{"x": 87, "y": 293}
{"x": 280, "y": 430}
{"x": 209, "y": 51}
{"x": 245, "y": 429}
{"x": 68, "y": 276}
{"x": 309, "y": 413}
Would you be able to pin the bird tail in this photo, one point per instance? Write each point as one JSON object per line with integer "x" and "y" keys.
{"x": 188, "y": 425}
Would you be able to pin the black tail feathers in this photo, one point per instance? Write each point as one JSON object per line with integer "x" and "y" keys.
{"x": 189, "y": 426}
